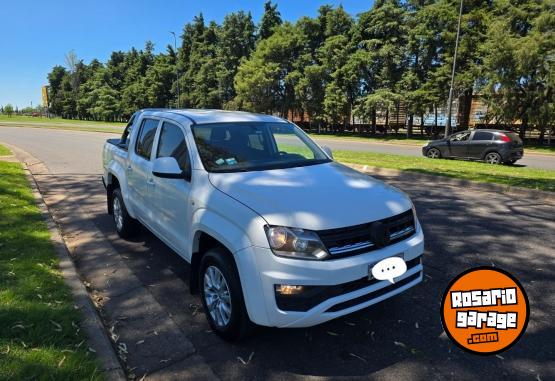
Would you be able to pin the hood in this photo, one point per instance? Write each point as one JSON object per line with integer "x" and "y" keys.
{"x": 316, "y": 197}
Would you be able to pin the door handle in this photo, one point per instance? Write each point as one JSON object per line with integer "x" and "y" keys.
{"x": 150, "y": 182}
{"x": 129, "y": 169}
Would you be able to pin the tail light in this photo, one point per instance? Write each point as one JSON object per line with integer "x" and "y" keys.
{"x": 505, "y": 138}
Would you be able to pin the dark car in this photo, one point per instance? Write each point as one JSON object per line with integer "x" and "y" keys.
{"x": 491, "y": 146}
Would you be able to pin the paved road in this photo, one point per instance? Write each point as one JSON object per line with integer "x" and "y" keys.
{"x": 53, "y": 139}
{"x": 401, "y": 338}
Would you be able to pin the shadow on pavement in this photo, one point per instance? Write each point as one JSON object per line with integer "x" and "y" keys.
{"x": 401, "y": 338}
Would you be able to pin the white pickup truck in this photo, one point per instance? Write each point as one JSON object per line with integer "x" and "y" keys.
{"x": 277, "y": 233}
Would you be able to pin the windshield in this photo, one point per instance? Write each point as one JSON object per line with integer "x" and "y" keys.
{"x": 255, "y": 146}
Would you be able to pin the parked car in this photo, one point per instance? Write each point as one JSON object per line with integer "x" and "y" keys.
{"x": 276, "y": 232}
{"x": 491, "y": 146}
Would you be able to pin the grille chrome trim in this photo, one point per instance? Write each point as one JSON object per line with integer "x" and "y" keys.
{"x": 348, "y": 248}
{"x": 403, "y": 232}
{"x": 353, "y": 240}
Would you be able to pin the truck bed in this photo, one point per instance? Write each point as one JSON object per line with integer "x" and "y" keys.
{"x": 118, "y": 143}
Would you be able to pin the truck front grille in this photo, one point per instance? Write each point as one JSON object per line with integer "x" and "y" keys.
{"x": 356, "y": 239}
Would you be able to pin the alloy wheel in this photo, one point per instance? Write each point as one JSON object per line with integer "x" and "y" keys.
{"x": 493, "y": 158}
{"x": 118, "y": 214}
{"x": 216, "y": 296}
{"x": 433, "y": 153}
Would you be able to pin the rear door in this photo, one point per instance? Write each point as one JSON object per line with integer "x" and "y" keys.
{"x": 480, "y": 141}
{"x": 139, "y": 169}
{"x": 170, "y": 197}
{"x": 458, "y": 144}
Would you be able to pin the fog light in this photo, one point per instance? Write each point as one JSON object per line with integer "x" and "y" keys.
{"x": 285, "y": 289}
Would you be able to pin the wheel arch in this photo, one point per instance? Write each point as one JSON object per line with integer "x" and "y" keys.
{"x": 202, "y": 242}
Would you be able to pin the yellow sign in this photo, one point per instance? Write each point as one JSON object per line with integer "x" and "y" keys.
{"x": 45, "y": 96}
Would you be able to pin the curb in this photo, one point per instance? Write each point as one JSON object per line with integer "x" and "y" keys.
{"x": 506, "y": 189}
{"x": 91, "y": 323}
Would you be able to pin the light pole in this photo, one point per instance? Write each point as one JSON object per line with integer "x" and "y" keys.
{"x": 176, "y": 72}
{"x": 450, "y": 100}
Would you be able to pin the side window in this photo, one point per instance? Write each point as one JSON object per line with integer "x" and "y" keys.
{"x": 481, "y": 135}
{"x": 146, "y": 138}
{"x": 460, "y": 137}
{"x": 172, "y": 144}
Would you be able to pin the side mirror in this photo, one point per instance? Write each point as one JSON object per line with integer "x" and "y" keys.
{"x": 328, "y": 152}
{"x": 167, "y": 167}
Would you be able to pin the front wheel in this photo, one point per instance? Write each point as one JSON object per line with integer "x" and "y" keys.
{"x": 222, "y": 296}
{"x": 493, "y": 158}
{"x": 433, "y": 153}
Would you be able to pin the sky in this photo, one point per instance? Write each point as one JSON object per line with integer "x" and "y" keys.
{"x": 36, "y": 35}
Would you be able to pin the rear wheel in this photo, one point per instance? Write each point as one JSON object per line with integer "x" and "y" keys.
{"x": 125, "y": 225}
{"x": 493, "y": 158}
{"x": 433, "y": 153}
{"x": 222, "y": 296}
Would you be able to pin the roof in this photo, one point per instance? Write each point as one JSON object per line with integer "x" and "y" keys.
{"x": 200, "y": 116}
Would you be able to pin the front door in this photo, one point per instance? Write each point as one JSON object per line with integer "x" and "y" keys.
{"x": 170, "y": 197}
{"x": 458, "y": 144}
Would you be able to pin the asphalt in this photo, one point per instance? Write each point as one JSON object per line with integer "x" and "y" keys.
{"x": 399, "y": 339}
{"x": 532, "y": 160}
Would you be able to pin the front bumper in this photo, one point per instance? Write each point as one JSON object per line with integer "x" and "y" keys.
{"x": 260, "y": 270}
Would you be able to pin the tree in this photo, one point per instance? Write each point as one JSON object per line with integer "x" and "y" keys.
{"x": 266, "y": 81}
{"x": 518, "y": 75}
{"x": 235, "y": 42}
{"x": 381, "y": 38}
{"x": 8, "y": 110}
{"x": 270, "y": 20}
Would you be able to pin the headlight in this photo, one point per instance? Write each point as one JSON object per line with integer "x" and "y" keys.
{"x": 295, "y": 243}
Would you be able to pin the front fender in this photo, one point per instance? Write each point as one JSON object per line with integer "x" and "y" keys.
{"x": 226, "y": 231}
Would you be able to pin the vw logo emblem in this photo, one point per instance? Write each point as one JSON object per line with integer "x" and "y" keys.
{"x": 379, "y": 234}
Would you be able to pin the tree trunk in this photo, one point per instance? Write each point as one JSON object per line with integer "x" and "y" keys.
{"x": 409, "y": 127}
{"x": 542, "y": 134}
{"x": 434, "y": 132}
{"x": 374, "y": 122}
{"x": 386, "y": 126}
{"x": 421, "y": 124}
{"x": 465, "y": 104}
{"x": 523, "y": 127}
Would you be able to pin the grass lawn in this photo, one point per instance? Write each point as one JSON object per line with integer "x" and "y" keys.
{"x": 39, "y": 326}
{"x": 23, "y": 118}
{"x": 416, "y": 140}
{"x": 475, "y": 171}
{"x": 4, "y": 151}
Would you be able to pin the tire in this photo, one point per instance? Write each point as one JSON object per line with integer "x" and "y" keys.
{"x": 493, "y": 158}
{"x": 125, "y": 225}
{"x": 433, "y": 153}
{"x": 220, "y": 288}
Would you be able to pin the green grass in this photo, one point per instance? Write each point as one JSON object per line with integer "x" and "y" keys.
{"x": 23, "y": 118}
{"x": 394, "y": 139}
{"x": 416, "y": 140}
{"x": 4, "y": 151}
{"x": 39, "y": 326}
{"x": 475, "y": 171}
{"x": 61, "y": 124}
